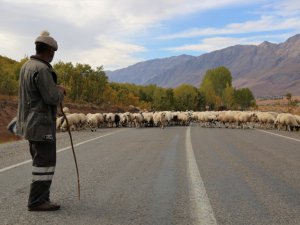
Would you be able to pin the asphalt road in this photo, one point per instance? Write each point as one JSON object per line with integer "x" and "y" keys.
{"x": 178, "y": 175}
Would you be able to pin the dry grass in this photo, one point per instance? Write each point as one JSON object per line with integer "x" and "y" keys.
{"x": 279, "y": 105}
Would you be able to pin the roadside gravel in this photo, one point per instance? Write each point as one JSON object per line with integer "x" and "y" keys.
{"x": 18, "y": 151}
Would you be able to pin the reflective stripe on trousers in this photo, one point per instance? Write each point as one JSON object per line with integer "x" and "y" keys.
{"x": 42, "y": 173}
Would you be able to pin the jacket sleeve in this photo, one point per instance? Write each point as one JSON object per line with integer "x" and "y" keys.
{"x": 47, "y": 87}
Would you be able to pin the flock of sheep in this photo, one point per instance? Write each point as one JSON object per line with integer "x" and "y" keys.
{"x": 228, "y": 119}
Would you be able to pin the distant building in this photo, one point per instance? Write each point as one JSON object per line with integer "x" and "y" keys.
{"x": 273, "y": 97}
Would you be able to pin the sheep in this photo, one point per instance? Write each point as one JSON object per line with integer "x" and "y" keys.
{"x": 207, "y": 118}
{"x": 83, "y": 121}
{"x": 92, "y": 122}
{"x": 129, "y": 118}
{"x": 298, "y": 121}
{"x": 117, "y": 120}
{"x": 100, "y": 119}
{"x": 194, "y": 116}
{"x": 227, "y": 118}
{"x": 171, "y": 117}
{"x": 148, "y": 118}
{"x": 163, "y": 120}
{"x": 244, "y": 118}
{"x": 175, "y": 120}
{"x": 266, "y": 119}
{"x": 138, "y": 119}
{"x": 123, "y": 119}
{"x": 66, "y": 110}
{"x": 59, "y": 121}
{"x": 74, "y": 122}
{"x": 233, "y": 119}
{"x": 184, "y": 118}
{"x": 110, "y": 119}
{"x": 159, "y": 119}
{"x": 286, "y": 119}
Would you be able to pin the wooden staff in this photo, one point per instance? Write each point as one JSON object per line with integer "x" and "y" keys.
{"x": 70, "y": 135}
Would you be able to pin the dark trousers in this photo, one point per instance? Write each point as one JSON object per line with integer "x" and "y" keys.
{"x": 43, "y": 165}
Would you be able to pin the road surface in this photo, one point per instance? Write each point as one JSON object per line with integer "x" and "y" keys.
{"x": 177, "y": 175}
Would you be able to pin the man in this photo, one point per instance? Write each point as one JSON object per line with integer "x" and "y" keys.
{"x": 39, "y": 96}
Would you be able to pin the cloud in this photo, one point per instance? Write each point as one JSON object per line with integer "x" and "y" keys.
{"x": 216, "y": 43}
{"x": 286, "y": 8}
{"x": 208, "y": 44}
{"x": 113, "y": 54}
{"x": 104, "y": 32}
{"x": 12, "y": 44}
{"x": 265, "y": 23}
{"x": 130, "y": 15}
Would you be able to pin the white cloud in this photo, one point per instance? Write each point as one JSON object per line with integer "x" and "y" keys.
{"x": 13, "y": 44}
{"x": 119, "y": 20}
{"x": 216, "y": 43}
{"x": 78, "y": 23}
{"x": 208, "y": 44}
{"x": 287, "y": 7}
{"x": 130, "y": 15}
{"x": 112, "y": 54}
{"x": 266, "y": 23}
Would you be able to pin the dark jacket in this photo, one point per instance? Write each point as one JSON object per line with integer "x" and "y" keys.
{"x": 38, "y": 100}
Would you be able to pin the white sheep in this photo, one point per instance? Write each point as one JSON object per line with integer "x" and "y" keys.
{"x": 245, "y": 118}
{"x": 59, "y": 121}
{"x": 100, "y": 119}
{"x": 184, "y": 118}
{"x": 266, "y": 119}
{"x": 207, "y": 118}
{"x": 138, "y": 119}
{"x": 92, "y": 122}
{"x": 227, "y": 118}
{"x": 129, "y": 119}
{"x": 159, "y": 119}
{"x": 123, "y": 119}
{"x": 286, "y": 119}
{"x": 148, "y": 118}
{"x": 74, "y": 122}
{"x": 110, "y": 119}
{"x": 66, "y": 110}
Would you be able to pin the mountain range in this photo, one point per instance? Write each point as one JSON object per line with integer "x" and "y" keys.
{"x": 267, "y": 69}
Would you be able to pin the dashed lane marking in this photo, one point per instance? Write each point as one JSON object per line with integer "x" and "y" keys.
{"x": 201, "y": 210}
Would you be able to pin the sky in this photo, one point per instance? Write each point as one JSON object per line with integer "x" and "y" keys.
{"x": 119, "y": 33}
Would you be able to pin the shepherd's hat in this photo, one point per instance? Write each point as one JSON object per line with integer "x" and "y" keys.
{"x": 47, "y": 39}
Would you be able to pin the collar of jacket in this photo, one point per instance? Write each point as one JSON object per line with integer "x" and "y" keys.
{"x": 41, "y": 60}
{"x": 54, "y": 76}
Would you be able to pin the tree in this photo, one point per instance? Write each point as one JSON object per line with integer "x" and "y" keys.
{"x": 209, "y": 94}
{"x": 163, "y": 99}
{"x": 186, "y": 97}
{"x": 8, "y": 86}
{"x": 244, "y": 98}
{"x": 213, "y": 85}
{"x": 64, "y": 72}
{"x": 146, "y": 92}
{"x": 228, "y": 97}
{"x": 219, "y": 77}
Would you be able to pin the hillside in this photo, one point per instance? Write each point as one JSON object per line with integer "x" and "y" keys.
{"x": 267, "y": 69}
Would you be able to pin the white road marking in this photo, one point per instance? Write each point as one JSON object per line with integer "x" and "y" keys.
{"x": 202, "y": 212}
{"x": 294, "y": 139}
{"x": 60, "y": 150}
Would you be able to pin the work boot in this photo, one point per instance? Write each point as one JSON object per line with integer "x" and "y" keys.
{"x": 46, "y": 206}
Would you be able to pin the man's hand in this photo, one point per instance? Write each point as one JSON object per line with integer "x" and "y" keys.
{"x": 62, "y": 89}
